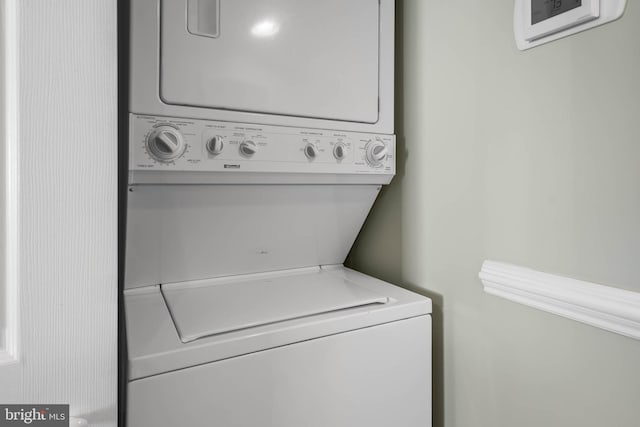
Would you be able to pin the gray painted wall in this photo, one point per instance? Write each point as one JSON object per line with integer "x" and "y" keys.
{"x": 526, "y": 157}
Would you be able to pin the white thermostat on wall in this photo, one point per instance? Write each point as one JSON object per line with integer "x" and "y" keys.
{"x": 540, "y": 21}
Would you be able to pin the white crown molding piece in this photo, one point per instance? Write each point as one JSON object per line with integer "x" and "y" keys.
{"x": 613, "y": 309}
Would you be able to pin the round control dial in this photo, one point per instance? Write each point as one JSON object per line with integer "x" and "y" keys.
{"x": 376, "y": 153}
{"x": 248, "y": 148}
{"x": 215, "y": 145}
{"x": 165, "y": 144}
{"x": 339, "y": 151}
{"x": 311, "y": 151}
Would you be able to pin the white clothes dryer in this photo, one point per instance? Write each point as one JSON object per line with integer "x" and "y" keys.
{"x": 261, "y": 132}
{"x": 317, "y": 64}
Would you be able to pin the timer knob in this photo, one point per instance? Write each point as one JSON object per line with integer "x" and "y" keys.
{"x": 311, "y": 151}
{"x": 376, "y": 152}
{"x": 165, "y": 144}
{"x": 248, "y": 148}
{"x": 215, "y": 145}
{"x": 339, "y": 151}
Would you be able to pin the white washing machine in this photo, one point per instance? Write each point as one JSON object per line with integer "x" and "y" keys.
{"x": 260, "y": 136}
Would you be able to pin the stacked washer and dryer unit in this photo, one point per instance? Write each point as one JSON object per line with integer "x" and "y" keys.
{"x": 261, "y": 132}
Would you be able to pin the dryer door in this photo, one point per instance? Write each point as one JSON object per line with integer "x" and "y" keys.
{"x": 307, "y": 58}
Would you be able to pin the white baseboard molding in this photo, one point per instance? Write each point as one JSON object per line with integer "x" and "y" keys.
{"x": 613, "y": 309}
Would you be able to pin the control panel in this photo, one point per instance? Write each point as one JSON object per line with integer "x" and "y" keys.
{"x": 187, "y": 145}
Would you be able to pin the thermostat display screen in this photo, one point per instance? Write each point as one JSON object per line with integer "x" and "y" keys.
{"x": 545, "y": 9}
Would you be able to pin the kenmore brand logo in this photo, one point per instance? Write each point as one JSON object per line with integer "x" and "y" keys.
{"x": 36, "y": 415}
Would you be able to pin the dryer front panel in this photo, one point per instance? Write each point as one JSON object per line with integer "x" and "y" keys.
{"x": 301, "y": 58}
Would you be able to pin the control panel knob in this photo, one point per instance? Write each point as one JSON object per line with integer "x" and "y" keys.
{"x": 215, "y": 145}
{"x": 339, "y": 151}
{"x": 165, "y": 143}
{"x": 248, "y": 148}
{"x": 376, "y": 152}
{"x": 311, "y": 151}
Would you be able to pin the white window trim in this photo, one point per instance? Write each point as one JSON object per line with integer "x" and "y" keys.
{"x": 9, "y": 349}
{"x": 609, "y": 308}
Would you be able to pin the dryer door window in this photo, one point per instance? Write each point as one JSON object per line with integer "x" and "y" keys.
{"x": 306, "y": 58}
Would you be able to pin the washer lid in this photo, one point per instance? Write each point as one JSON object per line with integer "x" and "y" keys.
{"x": 305, "y": 58}
{"x": 211, "y": 307}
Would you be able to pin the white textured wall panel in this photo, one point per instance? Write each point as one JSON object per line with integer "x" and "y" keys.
{"x": 67, "y": 260}
{"x": 3, "y": 168}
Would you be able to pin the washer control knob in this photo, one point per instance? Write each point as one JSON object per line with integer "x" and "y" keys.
{"x": 248, "y": 148}
{"x": 165, "y": 143}
{"x": 339, "y": 151}
{"x": 215, "y": 145}
{"x": 376, "y": 153}
{"x": 311, "y": 151}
